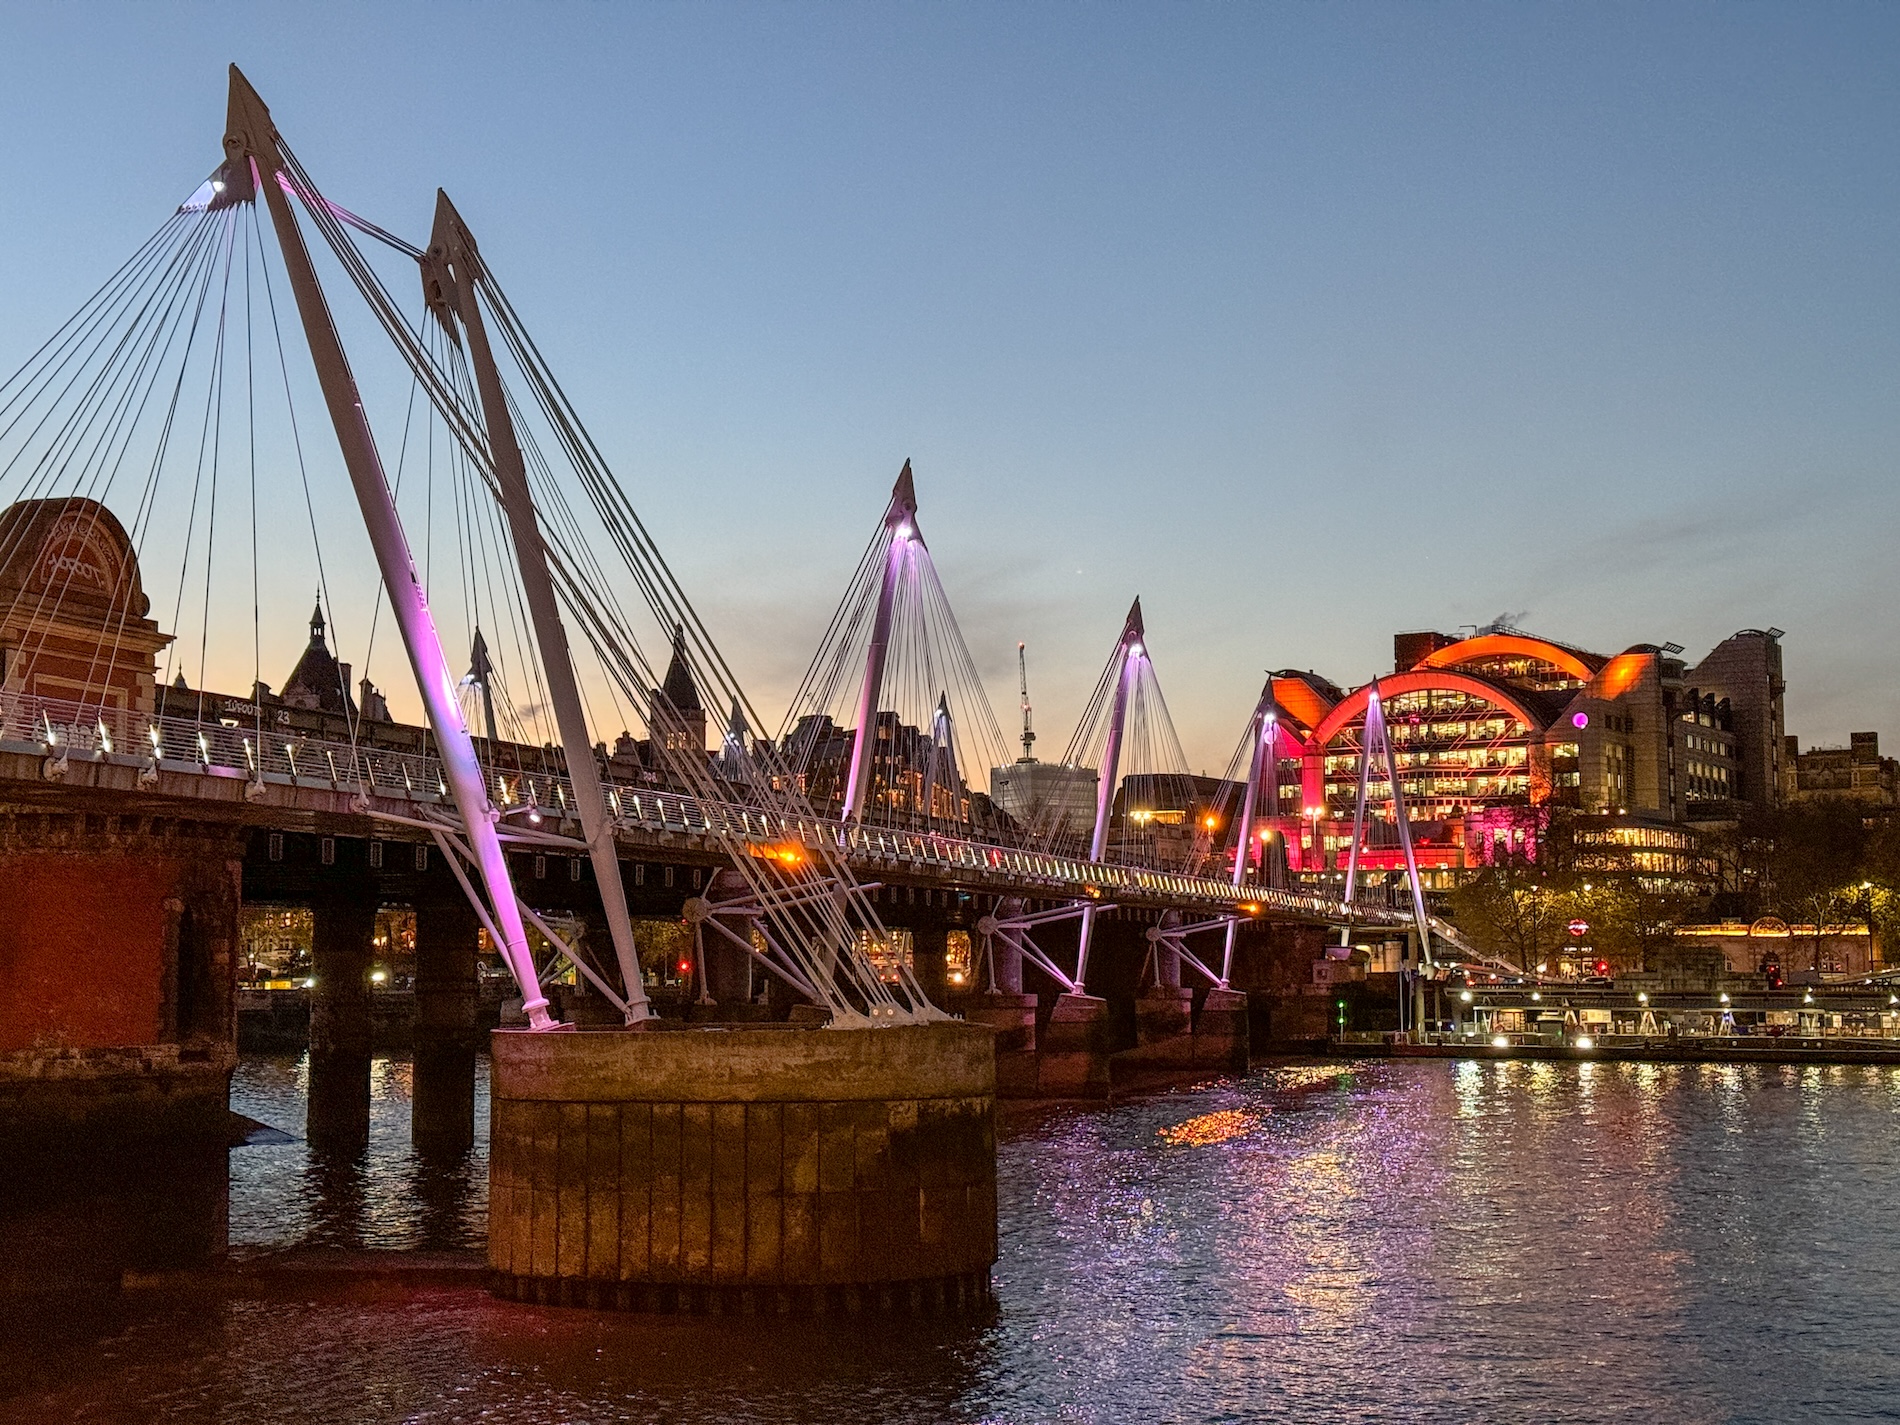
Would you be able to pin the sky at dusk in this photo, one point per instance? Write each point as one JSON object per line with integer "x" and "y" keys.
{"x": 1306, "y": 324}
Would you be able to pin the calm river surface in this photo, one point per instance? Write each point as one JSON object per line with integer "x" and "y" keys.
{"x": 1421, "y": 1241}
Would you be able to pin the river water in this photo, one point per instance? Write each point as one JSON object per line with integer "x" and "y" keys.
{"x": 1414, "y": 1241}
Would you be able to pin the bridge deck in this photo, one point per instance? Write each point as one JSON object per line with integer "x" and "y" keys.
{"x": 51, "y": 751}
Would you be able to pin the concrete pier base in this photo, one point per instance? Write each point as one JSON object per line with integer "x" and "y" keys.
{"x": 1072, "y": 1058}
{"x": 1221, "y": 1038}
{"x": 1013, "y": 1018}
{"x": 1163, "y": 1014}
{"x": 769, "y": 1169}
{"x": 1164, "y": 1039}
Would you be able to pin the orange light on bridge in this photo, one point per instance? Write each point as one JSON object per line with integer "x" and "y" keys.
{"x": 1210, "y": 822}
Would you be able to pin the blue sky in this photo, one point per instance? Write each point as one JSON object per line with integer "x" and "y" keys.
{"x": 1305, "y": 323}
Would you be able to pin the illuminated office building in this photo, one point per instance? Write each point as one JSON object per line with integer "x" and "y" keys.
{"x": 1493, "y": 731}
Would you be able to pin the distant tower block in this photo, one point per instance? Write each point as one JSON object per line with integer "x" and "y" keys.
{"x": 73, "y": 623}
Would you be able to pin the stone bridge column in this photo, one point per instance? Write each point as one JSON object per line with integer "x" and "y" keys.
{"x": 1073, "y": 1047}
{"x": 1165, "y": 1006}
{"x": 341, "y": 951}
{"x": 929, "y": 959}
{"x": 1005, "y": 1009}
{"x": 446, "y": 1037}
{"x": 731, "y": 979}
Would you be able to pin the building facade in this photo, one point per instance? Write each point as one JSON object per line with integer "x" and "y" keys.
{"x": 1494, "y": 731}
{"x": 1856, "y": 770}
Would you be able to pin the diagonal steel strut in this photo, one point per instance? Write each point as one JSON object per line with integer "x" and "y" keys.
{"x": 450, "y": 271}
{"x": 254, "y": 160}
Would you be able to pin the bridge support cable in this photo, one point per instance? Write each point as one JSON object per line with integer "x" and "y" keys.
{"x": 1262, "y": 784}
{"x": 1376, "y": 752}
{"x": 824, "y": 933}
{"x": 450, "y": 268}
{"x": 253, "y": 159}
{"x": 891, "y": 713}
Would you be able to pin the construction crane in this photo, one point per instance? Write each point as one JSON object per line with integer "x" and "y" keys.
{"x": 1029, "y": 731}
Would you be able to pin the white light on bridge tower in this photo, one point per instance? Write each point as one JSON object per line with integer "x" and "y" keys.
{"x": 899, "y": 520}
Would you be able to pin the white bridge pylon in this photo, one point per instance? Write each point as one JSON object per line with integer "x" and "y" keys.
{"x": 801, "y": 914}
{"x": 893, "y": 675}
{"x": 254, "y": 161}
{"x": 1128, "y": 682}
{"x": 1376, "y": 757}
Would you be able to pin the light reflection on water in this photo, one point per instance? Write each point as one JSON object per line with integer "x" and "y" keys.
{"x": 1428, "y": 1240}
{"x": 287, "y": 1194}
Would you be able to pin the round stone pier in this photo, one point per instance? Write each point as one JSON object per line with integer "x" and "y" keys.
{"x": 752, "y": 1169}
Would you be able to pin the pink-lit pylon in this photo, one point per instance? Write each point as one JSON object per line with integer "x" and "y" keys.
{"x": 900, "y": 529}
{"x": 1375, "y": 733}
{"x": 1263, "y": 774}
{"x": 1130, "y": 650}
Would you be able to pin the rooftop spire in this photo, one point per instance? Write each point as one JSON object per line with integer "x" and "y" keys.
{"x": 681, "y": 690}
{"x": 904, "y": 492}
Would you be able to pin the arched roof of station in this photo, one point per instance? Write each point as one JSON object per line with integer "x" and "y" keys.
{"x": 1526, "y": 708}
{"x": 1581, "y": 666}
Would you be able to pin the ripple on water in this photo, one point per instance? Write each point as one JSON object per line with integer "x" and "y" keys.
{"x": 1431, "y": 1241}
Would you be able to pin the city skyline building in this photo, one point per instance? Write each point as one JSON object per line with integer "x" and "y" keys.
{"x": 1496, "y": 730}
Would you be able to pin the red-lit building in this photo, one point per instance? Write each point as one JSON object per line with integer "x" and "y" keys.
{"x": 1493, "y": 731}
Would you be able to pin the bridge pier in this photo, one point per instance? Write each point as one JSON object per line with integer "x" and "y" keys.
{"x": 930, "y": 960}
{"x": 1221, "y": 1038}
{"x": 1006, "y": 1010}
{"x": 1072, "y": 1059}
{"x": 341, "y": 949}
{"x": 446, "y": 1038}
{"x": 1288, "y": 1009}
{"x": 117, "y": 1041}
{"x": 118, "y": 978}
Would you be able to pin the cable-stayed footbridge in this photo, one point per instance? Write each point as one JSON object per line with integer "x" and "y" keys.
{"x": 195, "y": 425}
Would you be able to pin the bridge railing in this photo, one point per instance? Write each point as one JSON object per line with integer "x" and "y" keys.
{"x": 226, "y": 747}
